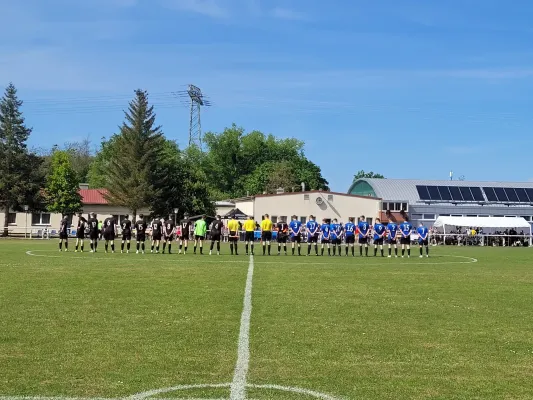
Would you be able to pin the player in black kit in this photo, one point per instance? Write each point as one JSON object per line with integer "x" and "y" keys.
{"x": 63, "y": 233}
{"x": 126, "y": 234}
{"x": 140, "y": 228}
{"x": 80, "y": 232}
{"x": 168, "y": 234}
{"x": 216, "y": 234}
{"x": 157, "y": 231}
{"x": 93, "y": 232}
{"x": 283, "y": 236}
{"x": 110, "y": 231}
{"x": 185, "y": 233}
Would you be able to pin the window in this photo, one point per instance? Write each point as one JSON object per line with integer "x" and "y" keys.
{"x": 330, "y": 197}
{"x": 457, "y": 215}
{"x": 429, "y": 216}
{"x": 369, "y": 220}
{"x": 511, "y": 216}
{"x": 483, "y": 215}
{"x": 471, "y": 215}
{"x": 416, "y": 216}
{"x": 498, "y": 216}
{"x": 404, "y": 207}
{"x": 283, "y": 218}
{"x": 274, "y": 219}
{"x": 12, "y": 218}
{"x": 306, "y": 197}
{"x": 40, "y": 219}
{"x": 303, "y": 220}
{"x": 444, "y": 215}
{"x": 527, "y": 218}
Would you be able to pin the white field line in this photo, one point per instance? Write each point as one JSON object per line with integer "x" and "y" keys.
{"x": 238, "y": 386}
{"x": 177, "y": 260}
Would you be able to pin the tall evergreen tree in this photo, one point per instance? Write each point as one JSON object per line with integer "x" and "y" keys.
{"x": 18, "y": 182}
{"x": 62, "y": 185}
{"x": 131, "y": 176}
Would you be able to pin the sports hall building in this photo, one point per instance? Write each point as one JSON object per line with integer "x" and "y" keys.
{"x": 426, "y": 200}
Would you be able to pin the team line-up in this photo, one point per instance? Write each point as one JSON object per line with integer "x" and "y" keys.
{"x": 327, "y": 235}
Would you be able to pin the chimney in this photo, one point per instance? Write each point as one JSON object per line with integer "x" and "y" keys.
{"x": 303, "y": 186}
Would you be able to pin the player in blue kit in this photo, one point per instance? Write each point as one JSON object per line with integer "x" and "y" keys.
{"x": 349, "y": 234}
{"x": 364, "y": 232}
{"x": 295, "y": 233}
{"x": 423, "y": 239}
{"x": 312, "y": 235}
{"x": 405, "y": 238}
{"x": 336, "y": 236}
{"x": 379, "y": 234}
{"x": 392, "y": 230}
{"x": 325, "y": 229}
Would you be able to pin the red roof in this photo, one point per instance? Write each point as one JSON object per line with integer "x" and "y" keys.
{"x": 93, "y": 196}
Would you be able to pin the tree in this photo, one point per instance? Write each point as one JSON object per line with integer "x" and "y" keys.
{"x": 81, "y": 156}
{"x": 363, "y": 174}
{"x": 19, "y": 183}
{"x": 96, "y": 176}
{"x": 131, "y": 172}
{"x": 62, "y": 186}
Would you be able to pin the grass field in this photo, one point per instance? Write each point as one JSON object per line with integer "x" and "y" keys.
{"x": 113, "y": 325}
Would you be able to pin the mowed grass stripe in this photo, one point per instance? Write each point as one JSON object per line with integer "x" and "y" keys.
{"x": 398, "y": 331}
{"x": 114, "y": 327}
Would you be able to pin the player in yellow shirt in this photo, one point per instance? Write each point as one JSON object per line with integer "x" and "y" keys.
{"x": 249, "y": 228}
{"x": 233, "y": 227}
{"x": 266, "y": 233}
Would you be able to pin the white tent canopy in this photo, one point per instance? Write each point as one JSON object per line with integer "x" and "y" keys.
{"x": 483, "y": 222}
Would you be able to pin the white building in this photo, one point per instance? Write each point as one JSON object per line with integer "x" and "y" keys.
{"x": 93, "y": 200}
{"x": 321, "y": 204}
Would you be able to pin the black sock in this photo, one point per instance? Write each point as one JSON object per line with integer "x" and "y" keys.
{"x": 427, "y": 250}
{"x": 390, "y": 251}
{"x": 128, "y": 246}
{"x": 231, "y": 248}
{"x": 122, "y": 246}
{"x": 106, "y": 246}
{"x": 409, "y": 251}
{"x": 112, "y": 246}
{"x": 142, "y": 246}
{"x": 420, "y": 250}
{"x": 92, "y": 247}
{"x": 60, "y": 245}
{"x": 195, "y": 247}
{"x": 211, "y": 246}
{"x": 236, "y": 252}
{"x": 293, "y": 251}
{"x": 329, "y": 251}
{"x": 185, "y": 250}
{"x": 246, "y": 248}
{"x": 346, "y": 249}
{"x": 77, "y": 246}
{"x": 322, "y": 251}
{"x": 252, "y": 248}
{"x": 353, "y": 251}
{"x": 201, "y": 249}
{"x": 308, "y": 249}
{"x": 152, "y": 247}
{"x": 316, "y": 249}
{"x": 375, "y": 251}
{"x": 366, "y": 251}
{"x": 218, "y": 246}
{"x": 169, "y": 247}
{"x": 181, "y": 246}
{"x": 264, "y": 249}
{"x": 95, "y": 245}
{"x": 381, "y": 250}
{"x": 396, "y": 250}
{"x": 269, "y": 246}
{"x": 138, "y": 245}
{"x": 361, "y": 251}
{"x": 285, "y": 248}
{"x": 279, "y": 248}
{"x": 334, "y": 250}
{"x": 164, "y": 246}
{"x": 403, "y": 252}
{"x": 299, "y": 251}
{"x": 66, "y": 245}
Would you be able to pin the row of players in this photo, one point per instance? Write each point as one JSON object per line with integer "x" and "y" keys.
{"x": 329, "y": 235}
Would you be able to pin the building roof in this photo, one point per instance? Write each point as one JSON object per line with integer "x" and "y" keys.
{"x": 405, "y": 189}
{"x": 316, "y": 191}
{"x": 93, "y": 196}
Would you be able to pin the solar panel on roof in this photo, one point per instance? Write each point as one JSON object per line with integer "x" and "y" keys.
{"x": 423, "y": 192}
{"x": 434, "y": 193}
{"x": 530, "y": 194}
{"x": 445, "y": 193}
{"x": 522, "y": 195}
{"x": 456, "y": 193}
{"x": 500, "y": 194}
{"x": 511, "y": 194}
{"x": 467, "y": 194}
{"x": 476, "y": 192}
{"x": 489, "y": 192}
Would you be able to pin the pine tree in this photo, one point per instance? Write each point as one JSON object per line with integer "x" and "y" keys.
{"x": 131, "y": 177}
{"x": 62, "y": 186}
{"x": 18, "y": 182}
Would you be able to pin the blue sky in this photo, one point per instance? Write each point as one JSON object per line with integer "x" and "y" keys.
{"x": 411, "y": 89}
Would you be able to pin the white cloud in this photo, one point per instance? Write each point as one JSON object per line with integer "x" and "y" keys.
{"x": 210, "y": 8}
{"x": 286, "y": 13}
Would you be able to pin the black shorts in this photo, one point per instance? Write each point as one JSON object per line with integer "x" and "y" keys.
{"x": 266, "y": 236}
{"x": 336, "y": 241}
{"x": 423, "y": 242}
{"x": 93, "y": 235}
{"x": 215, "y": 237}
{"x": 249, "y": 236}
{"x": 169, "y": 238}
{"x": 296, "y": 239}
{"x": 324, "y": 241}
{"x": 80, "y": 234}
{"x": 184, "y": 236}
{"x": 378, "y": 241}
{"x": 198, "y": 237}
{"x": 233, "y": 237}
{"x": 391, "y": 240}
{"x": 405, "y": 240}
{"x": 141, "y": 237}
{"x": 363, "y": 240}
{"x": 63, "y": 235}
{"x": 126, "y": 235}
{"x": 109, "y": 235}
{"x": 350, "y": 239}
{"x": 282, "y": 238}
{"x": 312, "y": 239}
{"x": 156, "y": 236}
